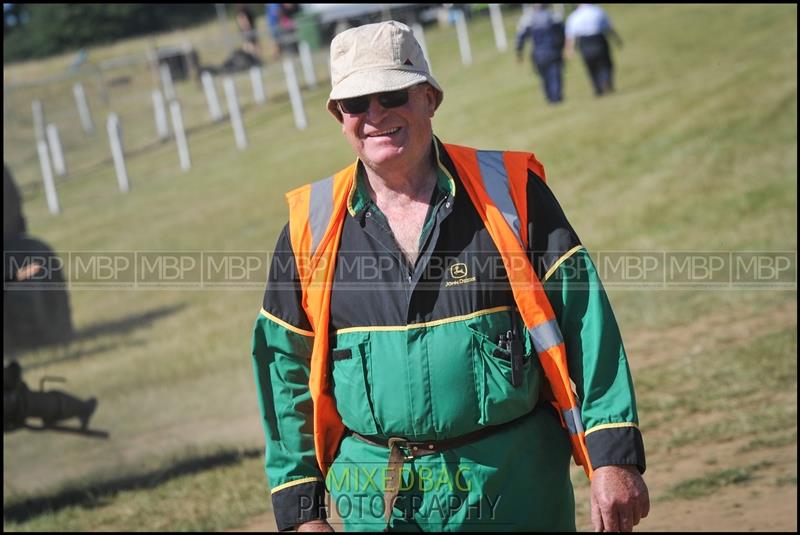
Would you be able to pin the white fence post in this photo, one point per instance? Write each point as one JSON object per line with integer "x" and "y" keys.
{"x": 498, "y": 28}
{"x": 166, "y": 81}
{"x": 38, "y": 120}
{"x": 419, "y": 33}
{"x": 463, "y": 38}
{"x": 294, "y": 94}
{"x": 258, "y": 84}
{"x": 54, "y": 142}
{"x": 83, "y": 108}
{"x": 152, "y": 62}
{"x": 233, "y": 112}
{"x": 115, "y": 138}
{"x": 47, "y": 178}
{"x": 162, "y": 127}
{"x": 211, "y": 96}
{"x": 307, "y": 63}
{"x": 180, "y": 135}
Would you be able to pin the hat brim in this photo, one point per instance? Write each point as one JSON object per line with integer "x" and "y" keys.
{"x": 372, "y": 81}
{"x": 377, "y": 81}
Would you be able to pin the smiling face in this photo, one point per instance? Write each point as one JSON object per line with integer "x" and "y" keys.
{"x": 393, "y": 139}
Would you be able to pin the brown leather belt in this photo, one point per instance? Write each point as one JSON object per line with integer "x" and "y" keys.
{"x": 414, "y": 449}
{"x": 402, "y": 450}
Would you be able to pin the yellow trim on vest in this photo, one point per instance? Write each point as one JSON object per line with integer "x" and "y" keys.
{"x": 610, "y": 426}
{"x": 563, "y": 258}
{"x": 293, "y": 483}
{"x": 285, "y": 325}
{"x": 433, "y": 323}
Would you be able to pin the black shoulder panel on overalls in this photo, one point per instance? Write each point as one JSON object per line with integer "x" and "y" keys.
{"x": 283, "y": 297}
{"x": 550, "y": 235}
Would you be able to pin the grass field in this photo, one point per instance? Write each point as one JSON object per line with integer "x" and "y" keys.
{"x": 696, "y": 151}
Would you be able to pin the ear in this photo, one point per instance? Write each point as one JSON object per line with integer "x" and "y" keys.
{"x": 334, "y": 110}
{"x": 431, "y": 97}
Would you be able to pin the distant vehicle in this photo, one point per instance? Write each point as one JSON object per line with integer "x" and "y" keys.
{"x": 333, "y": 18}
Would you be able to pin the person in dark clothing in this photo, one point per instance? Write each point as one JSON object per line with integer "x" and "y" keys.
{"x": 36, "y": 308}
{"x": 246, "y": 22}
{"x": 546, "y": 30}
{"x": 13, "y": 220}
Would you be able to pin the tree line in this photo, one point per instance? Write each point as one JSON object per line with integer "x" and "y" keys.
{"x": 37, "y": 30}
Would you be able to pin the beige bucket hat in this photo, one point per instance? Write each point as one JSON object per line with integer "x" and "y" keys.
{"x": 374, "y": 58}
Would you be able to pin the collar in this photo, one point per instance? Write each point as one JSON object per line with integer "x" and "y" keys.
{"x": 358, "y": 199}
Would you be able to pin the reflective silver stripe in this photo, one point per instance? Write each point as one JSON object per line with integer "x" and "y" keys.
{"x": 320, "y": 209}
{"x": 572, "y": 417}
{"x": 545, "y": 335}
{"x": 495, "y": 179}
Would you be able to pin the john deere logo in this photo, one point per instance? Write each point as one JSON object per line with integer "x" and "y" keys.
{"x": 458, "y": 271}
{"x": 458, "y": 275}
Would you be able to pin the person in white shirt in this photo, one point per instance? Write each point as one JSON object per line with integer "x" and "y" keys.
{"x": 589, "y": 25}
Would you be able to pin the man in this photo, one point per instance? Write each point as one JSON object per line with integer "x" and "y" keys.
{"x": 411, "y": 365}
{"x": 589, "y": 25}
{"x": 546, "y": 31}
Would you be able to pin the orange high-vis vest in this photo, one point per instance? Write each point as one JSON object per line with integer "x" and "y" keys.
{"x": 496, "y": 183}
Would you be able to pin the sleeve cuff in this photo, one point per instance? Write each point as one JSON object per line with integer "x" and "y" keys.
{"x": 299, "y": 503}
{"x": 616, "y": 446}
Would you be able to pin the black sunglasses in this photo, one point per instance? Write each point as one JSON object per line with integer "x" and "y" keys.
{"x": 389, "y": 99}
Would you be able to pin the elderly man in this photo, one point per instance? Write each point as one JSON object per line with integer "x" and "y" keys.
{"x": 426, "y": 313}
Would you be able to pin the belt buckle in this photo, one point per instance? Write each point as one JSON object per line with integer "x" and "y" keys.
{"x": 401, "y": 444}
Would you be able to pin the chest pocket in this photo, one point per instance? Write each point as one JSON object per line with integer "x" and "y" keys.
{"x": 351, "y": 386}
{"x": 498, "y": 399}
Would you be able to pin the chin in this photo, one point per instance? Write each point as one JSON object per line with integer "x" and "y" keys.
{"x": 383, "y": 155}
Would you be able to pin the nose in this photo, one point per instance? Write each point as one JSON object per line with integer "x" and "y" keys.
{"x": 375, "y": 110}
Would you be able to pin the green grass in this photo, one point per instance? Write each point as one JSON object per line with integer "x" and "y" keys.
{"x": 695, "y": 151}
{"x": 707, "y": 485}
{"x": 186, "y": 493}
{"x": 735, "y": 392}
{"x": 698, "y": 404}
{"x": 773, "y": 442}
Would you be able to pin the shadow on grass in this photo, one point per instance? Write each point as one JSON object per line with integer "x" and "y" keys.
{"x": 96, "y": 495}
{"x": 127, "y": 324}
{"x": 91, "y": 433}
{"x": 74, "y": 350}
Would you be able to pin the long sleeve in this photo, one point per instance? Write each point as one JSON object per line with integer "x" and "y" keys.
{"x": 596, "y": 355}
{"x": 523, "y": 34}
{"x": 597, "y": 362}
{"x": 281, "y": 353}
